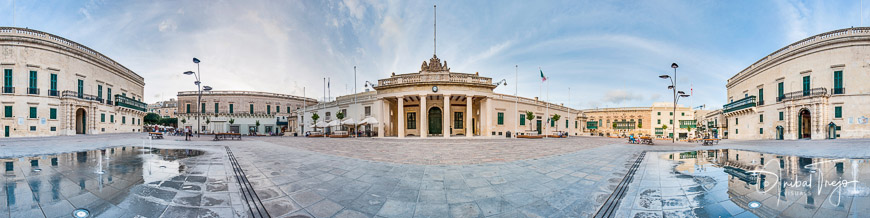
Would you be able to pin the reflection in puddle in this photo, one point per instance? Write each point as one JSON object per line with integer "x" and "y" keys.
{"x": 726, "y": 183}
{"x": 108, "y": 182}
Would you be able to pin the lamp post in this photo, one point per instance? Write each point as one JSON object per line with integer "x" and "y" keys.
{"x": 677, "y": 95}
{"x": 199, "y": 97}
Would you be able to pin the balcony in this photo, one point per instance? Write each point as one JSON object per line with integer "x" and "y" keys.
{"x": 838, "y": 91}
{"x": 592, "y": 125}
{"x": 124, "y": 101}
{"x": 86, "y": 97}
{"x": 815, "y": 92}
{"x": 54, "y": 93}
{"x": 688, "y": 124}
{"x": 747, "y": 102}
{"x": 110, "y": 102}
{"x": 759, "y": 103}
{"x": 32, "y": 91}
{"x": 624, "y": 125}
{"x": 8, "y": 89}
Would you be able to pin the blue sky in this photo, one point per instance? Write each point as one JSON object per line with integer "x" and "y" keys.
{"x": 608, "y": 52}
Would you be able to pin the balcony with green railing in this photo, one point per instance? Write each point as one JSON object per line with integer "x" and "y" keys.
{"x": 659, "y": 131}
{"x": 124, "y": 101}
{"x": 591, "y": 124}
{"x": 624, "y": 125}
{"x": 747, "y": 102}
{"x": 688, "y": 124}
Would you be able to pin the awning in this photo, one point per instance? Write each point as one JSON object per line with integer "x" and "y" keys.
{"x": 348, "y": 121}
{"x": 368, "y": 120}
{"x": 321, "y": 124}
{"x": 333, "y": 123}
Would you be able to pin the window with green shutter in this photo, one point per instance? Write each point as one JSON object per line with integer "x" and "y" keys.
{"x": 288, "y": 109}
{"x": 576, "y": 124}
{"x": 7, "y": 111}
{"x": 252, "y": 109}
{"x": 500, "y": 118}
{"x": 457, "y": 120}
{"x": 81, "y": 88}
{"x": 806, "y": 85}
{"x": 522, "y": 119}
{"x": 123, "y": 120}
{"x": 202, "y": 108}
{"x": 52, "y": 113}
{"x": 99, "y": 91}
{"x": 780, "y": 91}
{"x": 566, "y": 123}
{"x": 659, "y": 121}
{"x": 102, "y": 118}
{"x": 7, "y": 77}
{"x": 761, "y": 118}
{"x": 659, "y": 113}
{"x": 112, "y": 118}
{"x": 216, "y": 107}
{"x": 33, "y": 76}
{"x": 109, "y": 95}
{"x": 231, "y": 108}
{"x": 33, "y": 112}
{"x": 412, "y": 119}
{"x": 188, "y": 108}
{"x": 761, "y": 131}
{"x": 268, "y": 109}
{"x": 760, "y": 95}
{"x": 838, "y": 82}
{"x": 781, "y": 115}
{"x": 277, "y": 109}
{"x": 838, "y": 112}
{"x": 54, "y": 82}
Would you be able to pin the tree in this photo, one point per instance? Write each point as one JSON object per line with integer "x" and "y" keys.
{"x": 152, "y": 118}
{"x": 530, "y": 116}
{"x": 640, "y": 125}
{"x": 556, "y": 118}
{"x": 232, "y": 121}
{"x": 340, "y": 117}
{"x": 183, "y": 121}
{"x": 314, "y": 118}
{"x": 664, "y": 128}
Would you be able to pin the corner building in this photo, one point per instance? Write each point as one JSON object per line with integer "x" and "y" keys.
{"x": 244, "y": 112}
{"x": 54, "y": 86}
{"x": 815, "y": 88}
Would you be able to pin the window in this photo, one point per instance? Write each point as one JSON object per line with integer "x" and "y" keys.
{"x": 33, "y": 76}
{"x": 252, "y": 108}
{"x": 123, "y": 120}
{"x": 682, "y": 113}
{"x": 761, "y": 131}
{"x": 7, "y": 78}
{"x": 576, "y": 124}
{"x": 202, "y": 108}
{"x": 761, "y": 118}
{"x": 53, "y": 82}
{"x": 112, "y": 118}
{"x": 278, "y": 109}
{"x": 7, "y": 111}
{"x": 838, "y": 112}
{"x": 33, "y": 112}
{"x": 216, "y": 107}
{"x": 660, "y": 113}
{"x": 268, "y": 109}
{"x": 231, "y": 108}
{"x": 736, "y": 131}
{"x": 368, "y": 110}
{"x": 188, "y": 108}
{"x": 32, "y": 128}
{"x": 500, "y": 118}
{"x": 81, "y": 88}
{"x": 412, "y": 120}
{"x": 780, "y": 91}
{"x": 659, "y": 121}
{"x": 522, "y": 119}
{"x": 99, "y": 91}
{"x": 109, "y": 95}
{"x": 760, "y": 95}
{"x": 672, "y": 122}
{"x": 736, "y": 121}
{"x": 288, "y": 109}
{"x": 52, "y": 113}
{"x": 670, "y": 113}
{"x": 102, "y": 118}
{"x": 457, "y": 120}
{"x": 838, "y": 82}
{"x": 806, "y": 85}
{"x": 781, "y": 115}
{"x": 566, "y": 123}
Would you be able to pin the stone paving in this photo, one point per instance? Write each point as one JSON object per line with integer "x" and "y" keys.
{"x": 427, "y": 177}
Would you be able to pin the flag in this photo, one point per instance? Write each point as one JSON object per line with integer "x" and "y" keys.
{"x": 543, "y": 78}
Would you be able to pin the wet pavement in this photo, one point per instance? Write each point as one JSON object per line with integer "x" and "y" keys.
{"x": 124, "y": 181}
{"x": 736, "y": 183}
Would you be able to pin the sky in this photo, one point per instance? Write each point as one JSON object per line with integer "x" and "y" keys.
{"x": 596, "y": 53}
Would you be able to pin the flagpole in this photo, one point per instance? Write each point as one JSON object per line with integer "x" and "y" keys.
{"x": 517, "y": 96}
{"x": 548, "y": 109}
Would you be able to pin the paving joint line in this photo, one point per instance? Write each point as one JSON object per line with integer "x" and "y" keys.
{"x": 608, "y": 209}
{"x": 255, "y": 206}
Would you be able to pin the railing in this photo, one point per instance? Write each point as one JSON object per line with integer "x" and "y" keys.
{"x": 53, "y": 92}
{"x": 744, "y": 103}
{"x": 838, "y": 91}
{"x": 760, "y": 102}
{"x": 33, "y": 91}
{"x": 660, "y": 131}
{"x": 419, "y": 78}
{"x": 625, "y": 125}
{"x": 66, "y": 42}
{"x": 814, "y": 92}
{"x": 265, "y": 94}
{"x": 124, "y": 101}
{"x": 805, "y": 42}
{"x": 688, "y": 123}
{"x": 74, "y": 94}
{"x": 591, "y": 124}
{"x": 110, "y": 102}
{"x": 8, "y": 89}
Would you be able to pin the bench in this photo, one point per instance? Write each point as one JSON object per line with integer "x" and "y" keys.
{"x": 220, "y": 136}
{"x": 155, "y": 135}
{"x": 646, "y": 140}
{"x": 710, "y": 141}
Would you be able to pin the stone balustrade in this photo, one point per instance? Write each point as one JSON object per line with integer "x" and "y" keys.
{"x": 426, "y": 78}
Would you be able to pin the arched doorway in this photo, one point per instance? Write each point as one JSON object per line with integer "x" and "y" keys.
{"x": 804, "y": 122}
{"x": 81, "y": 121}
{"x": 832, "y": 131}
{"x": 779, "y": 133}
{"x": 434, "y": 121}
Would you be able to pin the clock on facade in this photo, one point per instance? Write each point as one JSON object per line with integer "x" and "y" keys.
{"x": 434, "y": 88}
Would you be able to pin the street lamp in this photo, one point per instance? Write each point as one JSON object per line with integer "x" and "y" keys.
{"x": 199, "y": 97}
{"x": 677, "y": 96}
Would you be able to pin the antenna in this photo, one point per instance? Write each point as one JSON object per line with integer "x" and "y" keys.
{"x": 435, "y": 30}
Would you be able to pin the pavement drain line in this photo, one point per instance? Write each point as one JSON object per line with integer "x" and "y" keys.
{"x": 612, "y": 203}
{"x": 255, "y": 206}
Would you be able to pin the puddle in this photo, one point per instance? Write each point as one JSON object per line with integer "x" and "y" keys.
{"x": 113, "y": 182}
{"x": 736, "y": 183}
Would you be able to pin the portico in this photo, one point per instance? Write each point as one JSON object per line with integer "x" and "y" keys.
{"x": 431, "y": 115}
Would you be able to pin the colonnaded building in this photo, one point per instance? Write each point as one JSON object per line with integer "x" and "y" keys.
{"x": 54, "y": 86}
{"x": 245, "y": 112}
{"x": 436, "y": 102}
{"x": 815, "y": 88}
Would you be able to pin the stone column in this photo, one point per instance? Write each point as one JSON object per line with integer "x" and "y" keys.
{"x": 484, "y": 117}
{"x": 400, "y": 115}
{"x": 424, "y": 124}
{"x": 446, "y": 118}
{"x": 380, "y": 115}
{"x": 468, "y": 116}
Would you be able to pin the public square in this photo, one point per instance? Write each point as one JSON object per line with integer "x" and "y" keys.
{"x": 437, "y": 177}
